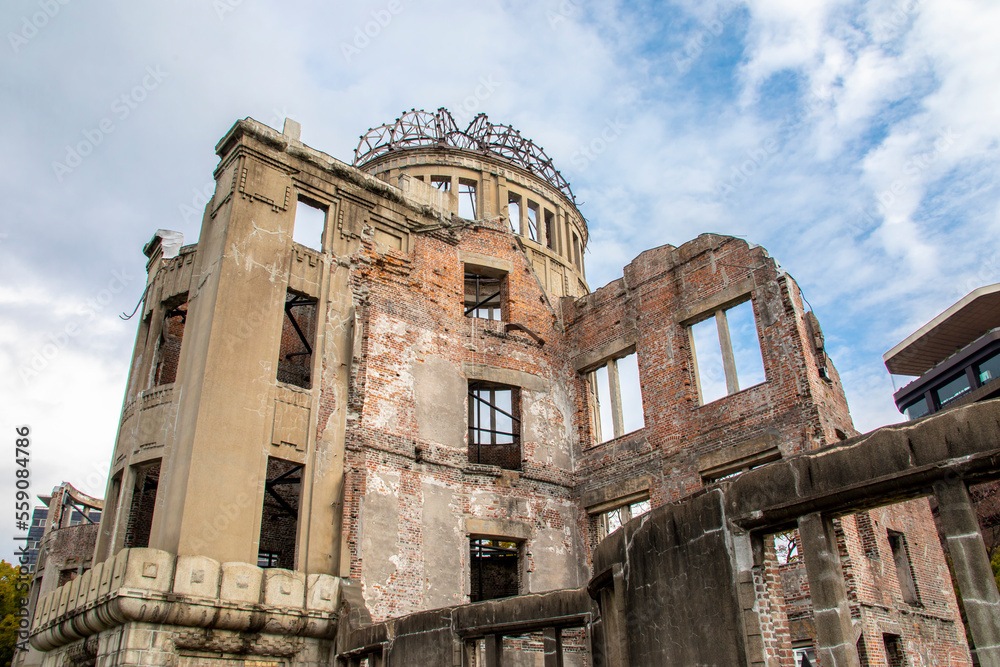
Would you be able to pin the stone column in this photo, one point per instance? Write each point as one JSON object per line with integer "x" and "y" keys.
{"x": 835, "y": 645}
{"x": 972, "y": 568}
{"x": 494, "y": 650}
{"x": 552, "y": 643}
{"x": 612, "y": 603}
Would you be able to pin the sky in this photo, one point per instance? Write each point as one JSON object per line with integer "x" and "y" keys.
{"x": 857, "y": 141}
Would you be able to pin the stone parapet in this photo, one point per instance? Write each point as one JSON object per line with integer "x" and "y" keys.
{"x": 153, "y": 586}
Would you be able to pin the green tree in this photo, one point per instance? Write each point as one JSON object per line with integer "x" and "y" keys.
{"x": 13, "y": 587}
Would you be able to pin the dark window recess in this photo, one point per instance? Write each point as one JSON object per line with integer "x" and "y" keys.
{"x": 483, "y": 296}
{"x": 280, "y": 514}
{"x": 297, "y": 335}
{"x": 67, "y": 575}
{"x": 268, "y": 559}
{"x": 140, "y": 516}
{"x": 495, "y": 425}
{"x": 550, "y": 230}
{"x": 894, "y": 650}
{"x": 168, "y": 350}
{"x": 495, "y": 569}
{"x": 901, "y": 556}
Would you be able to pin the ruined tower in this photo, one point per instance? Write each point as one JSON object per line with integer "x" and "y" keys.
{"x": 374, "y": 390}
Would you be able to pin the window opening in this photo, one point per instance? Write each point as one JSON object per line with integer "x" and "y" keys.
{"x": 917, "y": 409}
{"x": 726, "y": 347}
{"x": 614, "y": 519}
{"x": 901, "y": 556}
{"x": 805, "y": 656}
{"x": 532, "y": 220}
{"x": 550, "y": 230}
{"x": 989, "y": 369}
{"x": 140, "y": 516}
{"x": 467, "y": 199}
{"x": 441, "y": 183}
{"x": 514, "y": 212}
{"x": 483, "y": 295}
{"x": 297, "y": 333}
{"x": 576, "y": 251}
{"x": 786, "y": 547}
{"x": 168, "y": 350}
{"x": 954, "y": 389}
{"x": 893, "y": 650}
{"x": 619, "y": 398}
{"x": 280, "y": 513}
{"x": 310, "y": 221}
{"x": 495, "y": 425}
{"x": 494, "y": 568}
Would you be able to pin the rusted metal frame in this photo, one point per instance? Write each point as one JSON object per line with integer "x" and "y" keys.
{"x": 298, "y": 301}
{"x": 269, "y": 489}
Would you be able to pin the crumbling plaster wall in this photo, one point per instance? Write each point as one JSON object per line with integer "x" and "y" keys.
{"x": 412, "y": 491}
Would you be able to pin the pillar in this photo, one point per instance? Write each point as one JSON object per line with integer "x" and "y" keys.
{"x": 972, "y": 568}
{"x": 835, "y": 645}
{"x": 552, "y": 643}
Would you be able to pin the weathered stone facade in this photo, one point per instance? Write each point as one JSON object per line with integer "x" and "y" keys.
{"x": 355, "y": 409}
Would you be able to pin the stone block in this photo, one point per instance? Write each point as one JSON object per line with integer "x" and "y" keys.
{"x": 284, "y": 588}
{"x": 149, "y": 569}
{"x": 197, "y": 576}
{"x": 322, "y": 592}
{"x": 241, "y": 582}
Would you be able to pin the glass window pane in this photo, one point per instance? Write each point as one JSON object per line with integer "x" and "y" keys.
{"x": 746, "y": 345}
{"x": 990, "y": 369}
{"x": 916, "y": 410}
{"x": 708, "y": 352}
{"x": 954, "y": 389}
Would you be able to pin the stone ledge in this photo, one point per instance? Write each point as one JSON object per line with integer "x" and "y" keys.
{"x": 149, "y": 585}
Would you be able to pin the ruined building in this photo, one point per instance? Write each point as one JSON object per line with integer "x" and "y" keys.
{"x": 363, "y": 425}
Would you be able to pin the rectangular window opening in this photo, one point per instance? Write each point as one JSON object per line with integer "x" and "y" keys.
{"x": 894, "y": 655}
{"x": 298, "y": 333}
{"x": 577, "y": 253}
{"x": 726, "y": 351}
{"x": 310, "y": 222}
{"x": 441, "y": 183}
{"x": 615, "y": 518}
{"x": 168, "y": 348}
{"x": 484, "y": 293}
{"x": 280, "y": 514}
{"x": 787, "y": 547}
{"x": 989, "y": 369}
{"x": 954, "y": 390}
{"x": 904, "y": 570}
{"x": 550, "y": 230}
{"x": 619, "y": 398}
{"x": 494, "y": 568}
{"x": 467, "y": 199}
{"x": 495, "y": 425}
{"x": 140, "y": 516}
{"x": 514, "y": 212}
{"x": 532, "y": 220}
